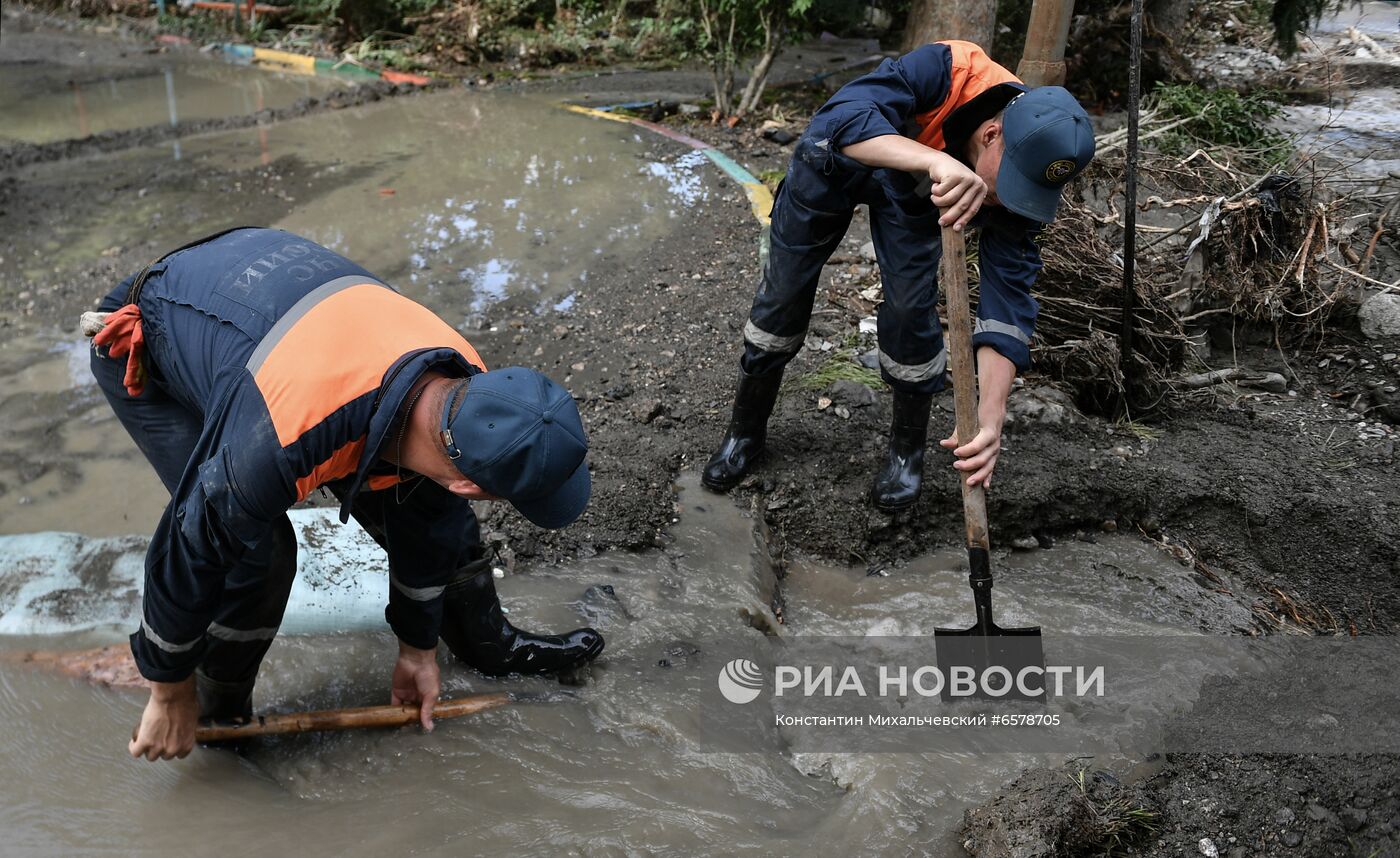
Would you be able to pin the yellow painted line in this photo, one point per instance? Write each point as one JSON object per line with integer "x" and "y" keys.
{"x": 760, "y": 200}
{"x": 598, "y": 114}
{"x": 284, "y": 61}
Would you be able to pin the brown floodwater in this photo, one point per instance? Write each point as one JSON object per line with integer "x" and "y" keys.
{"x": 460, "y": 200}
{"x": 618, "y": 766}
{"x": 71, "y": 92}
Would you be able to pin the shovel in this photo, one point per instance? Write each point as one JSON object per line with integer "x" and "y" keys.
{"x": 985, "y": 644}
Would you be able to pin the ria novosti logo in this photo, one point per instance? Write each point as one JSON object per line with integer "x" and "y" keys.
{"x": 740, "y": 681}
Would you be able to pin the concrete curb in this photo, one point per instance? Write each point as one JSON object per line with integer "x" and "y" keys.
{"x": 285, "y": 61}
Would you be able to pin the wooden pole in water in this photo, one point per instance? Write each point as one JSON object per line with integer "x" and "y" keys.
{"x": 347, "y": 719}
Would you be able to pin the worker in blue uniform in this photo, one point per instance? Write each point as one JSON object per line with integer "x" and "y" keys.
{"x": 256, "y": 366}
{"x": 942, "y": 136}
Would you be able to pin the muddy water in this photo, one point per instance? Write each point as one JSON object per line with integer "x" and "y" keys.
{"x": 68, "y": 95}
{"x": 616, "y": 767}
{"x": 461, "y": 199}
{"x": 65, "y": 463}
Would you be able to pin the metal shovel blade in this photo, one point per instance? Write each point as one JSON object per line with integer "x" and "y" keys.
{"x": 966, "y": 655}
{"x": 970, "y": 653}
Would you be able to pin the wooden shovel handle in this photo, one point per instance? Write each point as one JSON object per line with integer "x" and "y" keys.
{"x": 347, "y": 719}
{"x": 953, "y": 277}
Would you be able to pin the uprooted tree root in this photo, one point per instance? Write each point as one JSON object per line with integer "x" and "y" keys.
{"x": 1277, "y": 251}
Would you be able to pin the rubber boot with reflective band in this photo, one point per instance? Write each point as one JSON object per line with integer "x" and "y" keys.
{"x": 898, "y": 485}
{"x": 475, "y": 628}
{"x": 748, "y": 430}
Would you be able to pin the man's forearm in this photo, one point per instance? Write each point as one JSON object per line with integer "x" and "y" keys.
{"x": 893, "y": 152}
{"x": 995, "y": 374}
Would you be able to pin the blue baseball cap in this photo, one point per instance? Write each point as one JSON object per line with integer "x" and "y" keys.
{"x": 1048, "y": 141}
{"x": 518, "y": 435}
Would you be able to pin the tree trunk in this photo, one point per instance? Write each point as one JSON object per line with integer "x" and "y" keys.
{"x": 1043, "y": 56}
{"x": 935, "y": 20}
{"x": 758, "y": 75}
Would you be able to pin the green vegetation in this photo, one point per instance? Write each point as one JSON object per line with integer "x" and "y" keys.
{"x": 1214, "y": 118}
{"x": 771, "y": 178}
{"x": 1117, "y": 822}
{"x": 841, "y": 366}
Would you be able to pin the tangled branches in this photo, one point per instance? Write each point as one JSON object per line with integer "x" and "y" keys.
{"x": 1223, "y": 249}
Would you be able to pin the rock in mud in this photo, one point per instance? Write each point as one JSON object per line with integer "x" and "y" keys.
{"x": 1055, "y": 813}
{"x": 852, "y": 393}
{"x": 1041, "y": 405}
{"x": 1380, "y": 316}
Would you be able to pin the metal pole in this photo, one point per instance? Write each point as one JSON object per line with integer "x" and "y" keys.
{"x": 1043, "y": 58}
{"x": 1125, "y": 337}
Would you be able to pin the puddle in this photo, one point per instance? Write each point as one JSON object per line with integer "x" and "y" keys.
{"x": 462, "y": 200}
{"x": 619, "y": 769}
{"x": 1117, "y": 586}
{"x": 459, "y": 199}
{"x": 65, "y": 461}
{"x": 47, "y": 100}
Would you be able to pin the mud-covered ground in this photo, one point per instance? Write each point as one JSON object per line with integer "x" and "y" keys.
{"x": 1288, "y": 492}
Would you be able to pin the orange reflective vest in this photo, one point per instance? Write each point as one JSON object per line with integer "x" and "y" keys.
{"x": 973, "y": 74}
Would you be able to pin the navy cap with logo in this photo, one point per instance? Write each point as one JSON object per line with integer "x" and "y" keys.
{"x": 1048, "y": 141}
{"x": 518, "y": 435}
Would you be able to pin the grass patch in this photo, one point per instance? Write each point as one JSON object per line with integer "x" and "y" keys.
{"x": 840, "y": 367}
{"x": 771, "y": 178}
{"x": 1117, "y": 821}
{"x": 1221, "y": 117}
{"x": 1141, "y": 431}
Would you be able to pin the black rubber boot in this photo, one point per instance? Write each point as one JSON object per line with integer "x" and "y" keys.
{"x": 223, "y": 702}
{"x": 476, "y": 630}
{"x": 897, "y": 486}
{"x": 748, "y": 429}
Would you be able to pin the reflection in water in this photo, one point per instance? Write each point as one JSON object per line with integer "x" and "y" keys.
{"x": 94, "y": 100}
{"x": 174, "y": 114}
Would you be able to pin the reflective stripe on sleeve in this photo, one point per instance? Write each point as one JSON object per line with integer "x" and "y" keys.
{"x": 992, "y": 326}
{"x": 165, "y": 644}
{"x": 224, "y": 633}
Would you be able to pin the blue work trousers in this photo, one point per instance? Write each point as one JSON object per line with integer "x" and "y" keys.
{"x": 811, "y": 214}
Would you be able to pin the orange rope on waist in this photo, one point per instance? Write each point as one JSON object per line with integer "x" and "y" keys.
{"x": 123, "y": 337}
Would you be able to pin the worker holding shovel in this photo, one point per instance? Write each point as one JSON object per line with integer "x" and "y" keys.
{"x": 253, "y": 367}
{"x": 942, "y": 127}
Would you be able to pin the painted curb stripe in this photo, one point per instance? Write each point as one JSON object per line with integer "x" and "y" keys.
{"x": 760, "y": 199}
{"x": 284, "y": 61}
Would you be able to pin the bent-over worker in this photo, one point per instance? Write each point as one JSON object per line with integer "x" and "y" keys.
{"x": 997, "y": 156}
{"x": 255, "y": 366}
